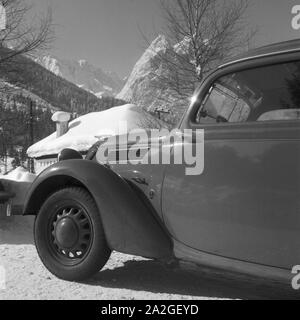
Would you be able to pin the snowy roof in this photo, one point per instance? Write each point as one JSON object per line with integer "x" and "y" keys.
{"x": 84, "y": 131}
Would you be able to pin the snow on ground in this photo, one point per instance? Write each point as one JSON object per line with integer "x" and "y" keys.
{"x": 83, "y": 131}
{"x": 19, "y": 174}
{"x": 3, "y": 168}
{"x": 124, "y": 277}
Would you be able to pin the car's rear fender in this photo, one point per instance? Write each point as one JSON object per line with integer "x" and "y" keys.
{"x": 129, "y": 225}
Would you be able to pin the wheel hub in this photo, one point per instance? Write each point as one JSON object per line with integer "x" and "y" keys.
{"x": 71, "y": 233}
{"x": 66, "y": 233}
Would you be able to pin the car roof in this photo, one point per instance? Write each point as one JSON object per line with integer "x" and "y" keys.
{"x": 269, "y": 50}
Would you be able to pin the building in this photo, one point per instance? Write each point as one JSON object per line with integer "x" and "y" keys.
{"x": 81, "y": 133}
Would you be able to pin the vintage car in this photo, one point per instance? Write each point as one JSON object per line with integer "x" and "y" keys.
{"x": 241, "y": 212}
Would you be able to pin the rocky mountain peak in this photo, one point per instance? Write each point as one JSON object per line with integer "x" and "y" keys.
{"x": 84, "y": 75}
{"x": 146, "y": 87}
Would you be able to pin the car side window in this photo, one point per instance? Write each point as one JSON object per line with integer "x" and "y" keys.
{"x": 270, "y": 93}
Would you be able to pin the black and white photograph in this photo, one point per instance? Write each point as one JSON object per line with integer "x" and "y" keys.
{"x": 149, "y": 151}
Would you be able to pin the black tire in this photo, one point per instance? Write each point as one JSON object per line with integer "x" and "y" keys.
{"x": 69, "y": 235}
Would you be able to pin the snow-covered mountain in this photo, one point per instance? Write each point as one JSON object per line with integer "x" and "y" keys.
{"x": 31, "y": 82}
{"x": 147, "y": 86}
{"x": 84, "y": 75}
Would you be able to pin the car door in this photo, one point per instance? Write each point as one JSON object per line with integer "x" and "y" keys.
{"x": 246, "y": 203}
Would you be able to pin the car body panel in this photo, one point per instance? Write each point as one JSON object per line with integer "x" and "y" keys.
{"x": 18, "y": 191}
{"x": 148, "y": 178}
{"x": 246, "y": 203}
{"x": 201, "y": 258}
{"x": 276, "y": 49}
{"x": 129, "y": 225}
{"x": 257, "y": 162}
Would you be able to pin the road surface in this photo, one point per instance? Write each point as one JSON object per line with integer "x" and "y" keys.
{"x": 124, "y": 277}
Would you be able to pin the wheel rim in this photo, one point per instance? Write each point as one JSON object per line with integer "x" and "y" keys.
{"x": 70, "y": 234}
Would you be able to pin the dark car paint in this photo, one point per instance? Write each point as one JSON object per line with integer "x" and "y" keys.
{"x": 129, "y": 225}
{"x": 243, "y": 210}
{"x": 249, "y": 205}
{"x": 246, "y": 204}
{"x": 274, "y": 49}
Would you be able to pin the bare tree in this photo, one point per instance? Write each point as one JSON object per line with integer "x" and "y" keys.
{"x": 202, "y": 34}
{"x": 24, "y": 34}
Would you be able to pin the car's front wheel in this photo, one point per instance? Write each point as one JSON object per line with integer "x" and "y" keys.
{"x": 69, "y": 235}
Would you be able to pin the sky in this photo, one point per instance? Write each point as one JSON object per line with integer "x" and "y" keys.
{"x": 107, "y": 33}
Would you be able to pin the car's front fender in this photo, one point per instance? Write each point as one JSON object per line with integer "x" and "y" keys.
{"x": 130, "y": 225}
